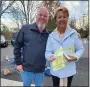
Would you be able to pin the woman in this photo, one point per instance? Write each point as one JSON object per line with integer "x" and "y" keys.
{"x": 67, "y": 38}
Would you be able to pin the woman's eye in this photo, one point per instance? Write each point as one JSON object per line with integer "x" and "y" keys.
{"x": 64, "y": 17}
{"x": 40, "y": 14}
{"x": 59, "y": 17}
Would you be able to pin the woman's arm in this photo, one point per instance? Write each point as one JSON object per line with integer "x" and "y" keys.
{"x": 49, "y": 52}
{"x": 79, "y": 49}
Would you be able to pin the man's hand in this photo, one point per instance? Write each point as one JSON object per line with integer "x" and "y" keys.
{"x": 52, "y": 58}
{"x": 20, "y": 68}
{"x": 72, "y": 58}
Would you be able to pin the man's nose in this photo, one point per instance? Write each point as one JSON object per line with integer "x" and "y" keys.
{"x": 42, "y": 16}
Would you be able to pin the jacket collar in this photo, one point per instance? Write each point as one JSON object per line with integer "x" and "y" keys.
{"x": 67, "y": 33}
{"x": 34, "y": 27}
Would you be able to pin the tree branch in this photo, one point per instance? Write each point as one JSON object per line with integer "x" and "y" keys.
{"x": 3, "y": 11}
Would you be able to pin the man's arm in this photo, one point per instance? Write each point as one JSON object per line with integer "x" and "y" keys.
{"x": 17, "y": 48}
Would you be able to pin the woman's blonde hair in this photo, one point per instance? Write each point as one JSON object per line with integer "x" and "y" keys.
{"x": 63, "y": 9}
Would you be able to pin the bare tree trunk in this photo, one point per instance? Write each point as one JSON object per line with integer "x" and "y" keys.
{"x": 23, "y": 12}
{"x": 22, "y": 2}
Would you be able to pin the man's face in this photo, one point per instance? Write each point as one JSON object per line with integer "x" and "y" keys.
{"x": 42, "y": 18}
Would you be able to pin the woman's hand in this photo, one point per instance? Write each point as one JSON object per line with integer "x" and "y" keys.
{"x": 72, "y": 58}
{"x": 52, "y": 58}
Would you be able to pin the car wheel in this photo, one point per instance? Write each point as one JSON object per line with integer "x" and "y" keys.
{"x": 6, "y": 44}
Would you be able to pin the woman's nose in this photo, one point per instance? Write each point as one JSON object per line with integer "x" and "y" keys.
{"x": 62, "y": 18}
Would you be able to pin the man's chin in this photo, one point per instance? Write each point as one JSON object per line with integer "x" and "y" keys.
{"x": 42, "y": 26}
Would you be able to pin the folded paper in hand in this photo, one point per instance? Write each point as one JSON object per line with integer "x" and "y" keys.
{"x": 59, "y": 62}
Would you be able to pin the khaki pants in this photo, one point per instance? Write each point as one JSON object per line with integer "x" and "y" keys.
{"x": 63, "y": 82}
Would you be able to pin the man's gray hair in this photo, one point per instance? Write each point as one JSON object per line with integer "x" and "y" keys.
{"x": 41, "y": 8}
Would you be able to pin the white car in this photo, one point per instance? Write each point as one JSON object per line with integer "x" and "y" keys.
{"x": 3, "y": 41}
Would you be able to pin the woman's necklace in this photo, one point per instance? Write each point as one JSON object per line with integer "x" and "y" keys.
{"x": 60, "y": 35}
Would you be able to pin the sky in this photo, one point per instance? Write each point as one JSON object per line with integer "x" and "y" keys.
{"x": 76, "y": 8}
{"x": 8, "y": 20}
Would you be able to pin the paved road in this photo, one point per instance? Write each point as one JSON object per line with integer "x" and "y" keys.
{"x": 80, "y": 79}
{"x": 7, "y": 51}
{"x": 86, "y": 47}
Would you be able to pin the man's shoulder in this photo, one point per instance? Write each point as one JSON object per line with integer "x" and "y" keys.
{"x": 27, "y": 26}
{"x": 50, "y": 31}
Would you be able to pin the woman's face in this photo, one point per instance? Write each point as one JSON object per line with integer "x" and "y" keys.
{"x": 61, "y": 19}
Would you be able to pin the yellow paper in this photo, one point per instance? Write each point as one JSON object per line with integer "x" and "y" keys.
{"x": 59, "y": 62}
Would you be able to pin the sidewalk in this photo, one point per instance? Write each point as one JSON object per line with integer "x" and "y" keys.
{"x": 6, "y": 82}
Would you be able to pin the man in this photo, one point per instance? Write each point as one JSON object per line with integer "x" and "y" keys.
{"x": 32, "y": 38}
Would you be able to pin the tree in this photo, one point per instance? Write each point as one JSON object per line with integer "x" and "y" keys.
{"x": 5, "y": 31}
{"x": 29, "y": 10}
{"x": 51, "y": 25}
{"x": 51, "y": 6}
{"x": 84, "y": 33}
{"x": 5, "y": 5}
{"x": 23, "y": 12}
{"x": 4, "y": 28}
{"x": 72, "y": 23}
{"x": 16, "y": 16}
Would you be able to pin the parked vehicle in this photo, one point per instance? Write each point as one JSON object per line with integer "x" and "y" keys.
{"x": 3, "y": 41}
{"x": 13, "y": 38}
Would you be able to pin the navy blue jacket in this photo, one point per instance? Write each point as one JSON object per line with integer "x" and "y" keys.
{"x": 33, "y": 43}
